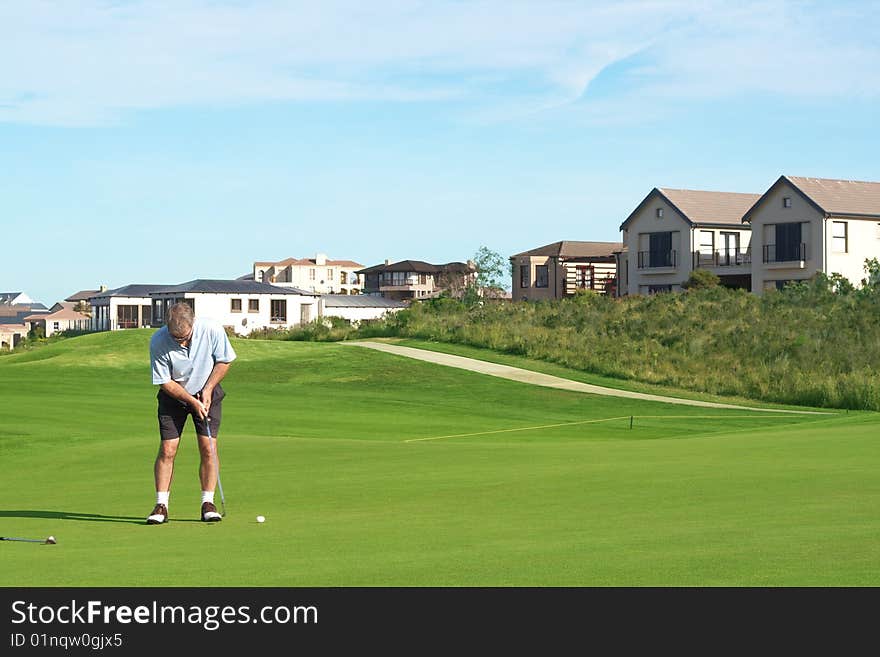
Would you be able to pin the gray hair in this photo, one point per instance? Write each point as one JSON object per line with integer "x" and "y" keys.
{"x": 180, "y": 319}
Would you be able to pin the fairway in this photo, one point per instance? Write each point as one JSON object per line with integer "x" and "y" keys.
{"x": 377, "y": 470}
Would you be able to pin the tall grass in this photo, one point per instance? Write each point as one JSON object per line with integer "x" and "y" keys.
{"x": 809, "y": 344}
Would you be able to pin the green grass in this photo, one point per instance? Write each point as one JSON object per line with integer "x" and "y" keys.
{"x": 377, "y": 470}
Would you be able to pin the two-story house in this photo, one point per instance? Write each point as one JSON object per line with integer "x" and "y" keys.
{"x": 672, "y": 232}
{"x": 562, "y": 268}
{"x": 801, "y": 226}
{"x": 410, "y": 280}
{"x": 319, "y": 274}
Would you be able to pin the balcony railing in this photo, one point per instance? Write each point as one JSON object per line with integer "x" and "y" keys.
{"x": 785, "y": 252}
{"x": 650, "y": 259}
{"x": 723, "y": 258}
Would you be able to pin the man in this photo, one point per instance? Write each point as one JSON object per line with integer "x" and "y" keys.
{"x": 189, "y": 359}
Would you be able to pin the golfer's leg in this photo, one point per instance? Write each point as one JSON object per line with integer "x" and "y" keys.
{"x": 208, "y": 478}
{"x": 207, "y": 468}
{"x": 163, "y": 469}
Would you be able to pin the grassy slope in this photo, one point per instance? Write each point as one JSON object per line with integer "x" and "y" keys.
{"x": 313, "y": 438}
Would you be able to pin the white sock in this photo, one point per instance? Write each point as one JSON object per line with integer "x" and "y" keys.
{"x": 162, "y": 497}
{"x": 207, "y": 496}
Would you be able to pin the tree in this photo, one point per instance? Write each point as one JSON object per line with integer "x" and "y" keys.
{"x": 491, "y": 269}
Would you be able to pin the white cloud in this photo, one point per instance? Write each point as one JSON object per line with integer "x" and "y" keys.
{"x": 88, "y": 61}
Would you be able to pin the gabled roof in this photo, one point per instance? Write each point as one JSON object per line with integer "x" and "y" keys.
{"x": 574, "y": 249}
{"x": 699, "y": 207}
{"x": 215, "y": 286}
{"x": 308, "y": 262}
{"x": 136, "y": 290}
{"x": 10, "y": 297}
{"x": 419, "y": 267}
{"x": 831, "y": 197}
{"x": 82, "y": 295}
{"x": 66, "y": 311}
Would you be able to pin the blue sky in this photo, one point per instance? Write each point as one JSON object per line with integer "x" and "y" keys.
{"x": 158, "y": 142}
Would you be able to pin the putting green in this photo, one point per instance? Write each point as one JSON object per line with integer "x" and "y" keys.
{"x": 375, "y": 470}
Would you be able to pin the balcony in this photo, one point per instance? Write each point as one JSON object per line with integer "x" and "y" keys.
{"x": 785, "y": 256}
{"x": 723, "y": 258}
{"x": 658, "y": 262}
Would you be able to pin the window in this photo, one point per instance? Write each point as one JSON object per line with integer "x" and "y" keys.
{"x": 312, "y": 274}
{"x": 343, "y": 278}
{"x": 524, "y": 276}
{"x": 253, "y": 305}
{"x": 656, "y": 289}
{"x": 707, "y": 247}
{"x": 788, "y": 243}
{"x": 542, "y": 275}
{"x": 584, "y": 277}
{"x": 146, "y": 315}
{"x": 126, "y": 316}
{"x": 659, "y": 213}
{"x": 279, "y": 310}
{"x": 839, "y": 236}
{"x": 786, "y": 202}
{"x": 235, "y": 305}
{"x": 261, "y": 275}
{"x": 660, "y": 252}
{"x": 56, "y": 326}
{"x": 330, "y": 275}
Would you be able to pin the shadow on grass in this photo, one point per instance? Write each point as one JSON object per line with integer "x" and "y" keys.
{"x": 82, "y": 517}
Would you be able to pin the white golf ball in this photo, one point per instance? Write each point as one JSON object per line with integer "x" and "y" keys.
{"x": 261, "y": 519}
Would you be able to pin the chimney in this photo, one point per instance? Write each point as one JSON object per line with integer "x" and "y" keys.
{"x": 103, "y": 288}
{"x": 321, "y": 259}
{"x": 387, "y": 262}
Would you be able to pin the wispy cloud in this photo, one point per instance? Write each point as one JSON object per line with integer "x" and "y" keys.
{"x": 89, "y": 61}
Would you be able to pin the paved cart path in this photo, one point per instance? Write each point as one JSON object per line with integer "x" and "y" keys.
{"x": 548, "y": 380}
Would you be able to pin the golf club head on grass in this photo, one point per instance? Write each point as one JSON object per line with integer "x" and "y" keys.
{"x": 45, "y": 541}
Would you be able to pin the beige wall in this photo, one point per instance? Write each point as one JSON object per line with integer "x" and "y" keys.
{"x": 764, "y": 220}
{"x": 555, "y": 279}
{"x": 636, "y": 238}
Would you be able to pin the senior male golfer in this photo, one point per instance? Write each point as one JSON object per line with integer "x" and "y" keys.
{"x": 189, "y": 359}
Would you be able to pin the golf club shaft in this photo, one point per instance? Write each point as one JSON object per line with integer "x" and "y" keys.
{"x": 216, "y": 464}
{"x": 23, "y": 540}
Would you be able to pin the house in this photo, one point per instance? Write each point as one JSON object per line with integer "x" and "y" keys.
{"x": 81, "y": 299}
{"x": 801, "y": 226}
{"x": 358, "y": 307}
{"x": 560, "y": 269}
{"x": 11, "y": 335}
{"x": 675, "y": 231}
{"x": 14, "y": 299}
{"x": 410, "y": 280}
{"x": 318, "y": 274}
{"x": 14, "y": 307}
{"x": 240, "y": 305}
{"x": 129, "y": 306}
{"x": 63, "y": 316}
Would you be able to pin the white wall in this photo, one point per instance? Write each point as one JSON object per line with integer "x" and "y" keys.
{"x": 357, "y": 314}
{"x": 219, "y": 308}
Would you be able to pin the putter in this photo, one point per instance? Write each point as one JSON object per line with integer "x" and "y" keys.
{"x": 216, "y": 465}
{"x": 47, "y": 541}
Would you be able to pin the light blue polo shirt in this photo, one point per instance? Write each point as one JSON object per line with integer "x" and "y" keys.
{"x": 189, "y": 366}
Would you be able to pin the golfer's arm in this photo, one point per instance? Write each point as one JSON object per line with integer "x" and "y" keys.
{"x": 217, "y": 374}
{"x": 177, "y": 391}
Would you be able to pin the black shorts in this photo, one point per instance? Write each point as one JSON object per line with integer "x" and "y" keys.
{"x": 173, "y": 414}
